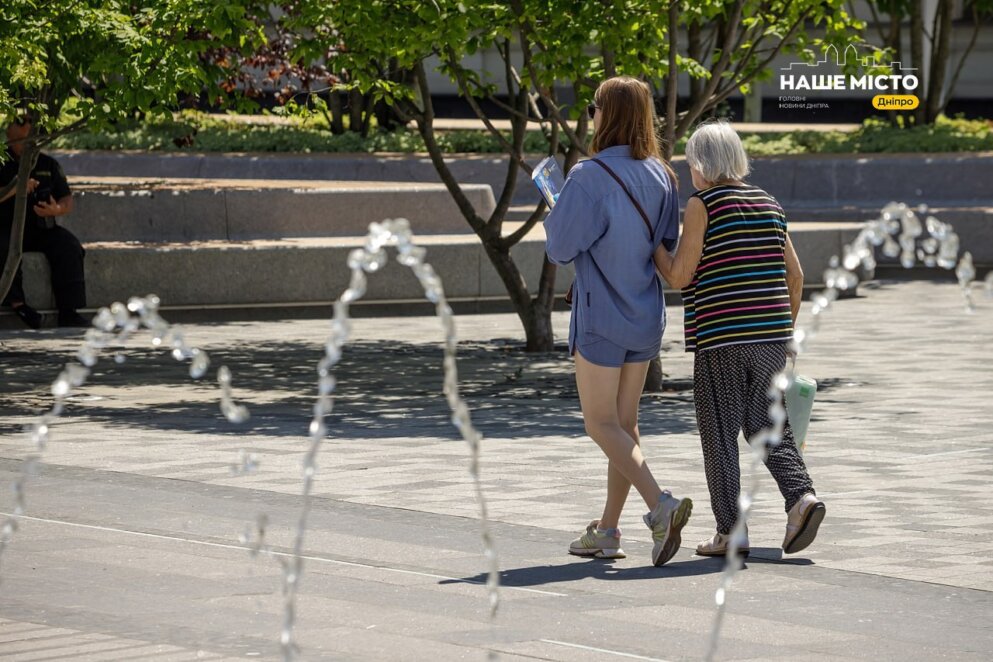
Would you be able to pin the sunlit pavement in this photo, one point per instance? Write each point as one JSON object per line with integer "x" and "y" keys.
{"x": 132, "y": 545}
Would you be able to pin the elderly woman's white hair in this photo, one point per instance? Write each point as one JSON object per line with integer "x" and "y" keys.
{"x": 715, "y": 150}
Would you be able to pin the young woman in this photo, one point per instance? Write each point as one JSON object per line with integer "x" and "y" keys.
{"x": 742, "y": 284}
{"x": 613, "y": 213}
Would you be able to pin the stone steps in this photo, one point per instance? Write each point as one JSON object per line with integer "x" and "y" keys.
{"x": 185, "y": 209}
{"x": 827, "y": 180}
{"x": 228, "y": 279}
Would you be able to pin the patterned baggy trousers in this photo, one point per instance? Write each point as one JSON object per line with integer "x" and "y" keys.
{"x": 730, "y": 388}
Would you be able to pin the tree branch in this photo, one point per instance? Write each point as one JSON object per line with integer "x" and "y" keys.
{"x": 8, "y": 187}
{"x": 425, "y": 125}
{"x": 875, "y": 18}
{"x": 672, "y": 84}
{"x": 733, "y": 85}
{"x": 576, "y": 148}
{"x": 532, "y": 72}
{"x": 976, "y": 24}
{"x": 514, "y": 237}
{"x": 551, "y": 134}
{"x": 487, "y": 122}
{"x": 717, "y": 72}
{"x": 28, "y": 159}
{"x": 50, "y": 137}
{"x": 520, "y": 127}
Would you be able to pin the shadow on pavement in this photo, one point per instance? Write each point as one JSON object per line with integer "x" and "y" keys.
{"x": 580, "y": 569}
{"x": 596, "y": 569}
{"x": 385, "y": 390}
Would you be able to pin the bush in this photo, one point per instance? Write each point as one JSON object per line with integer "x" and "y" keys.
{"x": 194, "y": 132}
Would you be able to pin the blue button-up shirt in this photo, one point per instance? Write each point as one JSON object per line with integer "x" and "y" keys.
{"x": 616, "y": 295}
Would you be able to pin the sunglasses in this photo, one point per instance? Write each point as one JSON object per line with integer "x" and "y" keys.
{"x": 591, "y": 110}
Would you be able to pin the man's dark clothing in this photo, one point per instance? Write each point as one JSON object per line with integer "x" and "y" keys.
{"x": 61, "y": 247}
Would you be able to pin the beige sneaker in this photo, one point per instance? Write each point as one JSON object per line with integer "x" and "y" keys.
{"x": 666, "y": 522}
{"x": 719, "y": 544}
{"x": 598, "y": 543}
{"x": 802, "y": 523}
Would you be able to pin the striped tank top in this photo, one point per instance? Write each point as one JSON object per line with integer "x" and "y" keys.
{"x": 738, "y": 294}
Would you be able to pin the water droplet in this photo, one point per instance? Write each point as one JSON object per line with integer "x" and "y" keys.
{"x": 235, "y": 413}
{"x": 60, "y": 388}
{"x": 356, "y": 258}
{"x": 200, "y": 364}
{"x": 965, "y": 271}
{"x": 326, "y": 384}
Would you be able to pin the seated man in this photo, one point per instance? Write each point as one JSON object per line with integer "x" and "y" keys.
{"x": 49, "y": 197}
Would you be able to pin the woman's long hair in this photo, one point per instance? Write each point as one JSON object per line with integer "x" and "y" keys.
{"x": 628, "y": 119}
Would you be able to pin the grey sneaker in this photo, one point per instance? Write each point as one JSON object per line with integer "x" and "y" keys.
{"x": 719, "y": 545}
{"x": 598, "y": 543}
{"x": 802, "y": 522}
{"x": 666, "y": 521}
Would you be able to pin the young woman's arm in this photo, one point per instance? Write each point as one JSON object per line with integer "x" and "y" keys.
{"x": 794, "y": 278}
{"x": 574, "y": 224}
{"x": 678, "y": 268}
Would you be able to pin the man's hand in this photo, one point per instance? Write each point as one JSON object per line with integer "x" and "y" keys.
{"x": 48, "y": 208}
{"x": 32, "y": 185}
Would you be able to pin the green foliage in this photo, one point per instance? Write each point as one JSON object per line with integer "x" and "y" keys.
{"x": 198, "y": 132}
{"x": 877, "y": 136}
{"x": 564, "y": 43}
{"x": 101, "y": 61}
{"x": 215, "y": 134}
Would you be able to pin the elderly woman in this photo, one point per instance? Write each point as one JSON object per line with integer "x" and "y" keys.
{"x": 741, "y": 283}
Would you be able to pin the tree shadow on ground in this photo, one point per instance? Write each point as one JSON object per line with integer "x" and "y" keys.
{"x": 384, "y": 390}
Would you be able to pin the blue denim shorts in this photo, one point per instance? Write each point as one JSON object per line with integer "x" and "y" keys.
{"x": 600, "y": 351}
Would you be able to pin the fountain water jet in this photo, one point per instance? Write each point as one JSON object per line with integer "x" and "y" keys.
{"x": 113, "y": 326}
{"x": 369, "y": 259}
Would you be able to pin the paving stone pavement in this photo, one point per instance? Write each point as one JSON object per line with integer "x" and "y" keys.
{"x": 131, "y": 545}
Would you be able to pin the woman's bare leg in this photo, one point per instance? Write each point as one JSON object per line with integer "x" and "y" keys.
{"x": 632, "y": 383}
{"x": 599, "y": 391}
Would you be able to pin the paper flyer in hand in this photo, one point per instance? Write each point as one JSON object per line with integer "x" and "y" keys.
{"x": 547, "y": 176}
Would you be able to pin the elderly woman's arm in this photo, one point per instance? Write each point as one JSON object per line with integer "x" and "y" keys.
{"x": 678, "y": 268}
{"x": 794, "y": 278}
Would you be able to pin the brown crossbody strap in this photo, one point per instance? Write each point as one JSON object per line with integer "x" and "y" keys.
{"x": 644, "y": 216}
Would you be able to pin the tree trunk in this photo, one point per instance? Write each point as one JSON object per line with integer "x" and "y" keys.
{"x": 337, "y": 113}
{"x": 895, "y": 41}
{"x": 653, "y": 380}
{"x": 917, "y": 54}
{"x": 355, "y": 107}
{"x": 694, "y": 49}
{"x": 386, "y": 119}
{"x": 939, "y": 59}
{"x": 539, "y": 331}
{"x": 14, "y": 249}
{"x": 535, "y": 315}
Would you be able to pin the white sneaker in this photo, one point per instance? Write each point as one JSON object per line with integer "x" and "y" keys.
{"x": 719, "y": 545}
{"x": 666, "y": 522}
{"x": 598, "y": 543}
{"x": 802, "y": 523}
